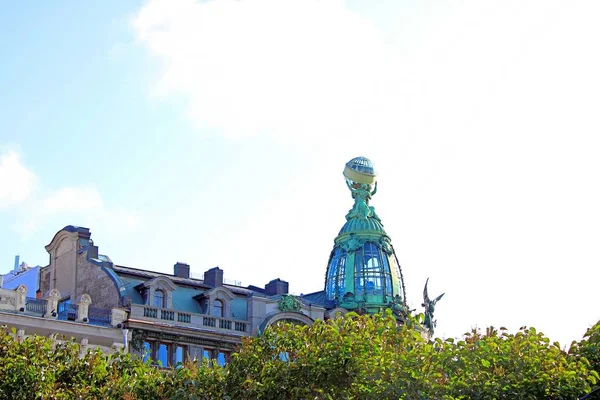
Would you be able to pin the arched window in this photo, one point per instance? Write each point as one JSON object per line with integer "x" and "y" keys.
{"x": 217, "y": 308}
{"x": 336, "y": 274}
{"x": 372, "y": 274}
{"x": 159, "y": 298}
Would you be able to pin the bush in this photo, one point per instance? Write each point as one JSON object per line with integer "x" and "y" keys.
{"x": 354, "y": 357}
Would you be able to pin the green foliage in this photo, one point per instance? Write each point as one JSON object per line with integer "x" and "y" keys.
{"x": 588, "y": 349}
{"x": 371, "y": 357}
{"x": 39, "y": 368}
{"x": 354, "y": 357}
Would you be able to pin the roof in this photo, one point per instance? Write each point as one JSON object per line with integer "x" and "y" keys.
{"x": 362, "y": 225}
{"x": 319, "y": 298}
{"x": 73, "y": 228}
{"x": 142, "y": 273}
{"x": 184, "y": 295}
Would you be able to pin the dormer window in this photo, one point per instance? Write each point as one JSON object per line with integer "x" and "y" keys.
{"x": 159, "y": 298}
{"x": 217, "y": 309}
{"x": 158, "y": 292}
{"x": 216, "y": 302}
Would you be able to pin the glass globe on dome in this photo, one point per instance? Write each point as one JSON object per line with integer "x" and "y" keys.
{"x": 360, "y": 171}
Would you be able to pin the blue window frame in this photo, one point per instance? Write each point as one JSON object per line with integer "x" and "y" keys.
{"x": 217, "y": 309}
{"x": 162, "y": 354}
{"x": 221, "y": 358}
{"x": 178, "y": 356}
{"x": 159, "y": 298}
{"x": 147, "y": 351}
{"x": 336, "y": 274}
{"x": 372, "y": 271}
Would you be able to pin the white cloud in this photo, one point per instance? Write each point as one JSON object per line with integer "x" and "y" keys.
{"x": 72, "y": 199}
{"x": 16, "y": 181}
{"x": 482, "y": 117}
{"x": 317, "y": 71}
{"x": 77, "y": 205}
{"x": 63, "y": 206}
{"x": 286, "y": 68}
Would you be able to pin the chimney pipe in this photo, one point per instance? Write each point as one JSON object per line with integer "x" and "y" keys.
{"x": 181, "y": 270}
{"x": 276, "y": 286}
{"x": 214, "y": 277}
{"x": 16, "y": 268}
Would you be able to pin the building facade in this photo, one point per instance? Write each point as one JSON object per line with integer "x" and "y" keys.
{"x": 22, "y": 274}
{"x": 168, "y": 317}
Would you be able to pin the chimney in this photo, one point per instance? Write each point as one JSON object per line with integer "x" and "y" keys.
{"x": 16, "y": 268}
{"x": 181, "y": 270}
{"x": 92, "y": 251}
{"x": 276, "y": 286}
{"x": 214, "y": 277}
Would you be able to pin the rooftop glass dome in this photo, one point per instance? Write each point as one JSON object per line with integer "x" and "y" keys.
{"x": 363, "y": 273}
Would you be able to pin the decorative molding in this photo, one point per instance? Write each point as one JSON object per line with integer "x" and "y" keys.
{"x": 139, "y": 336}
{"x": 288, "y": 302}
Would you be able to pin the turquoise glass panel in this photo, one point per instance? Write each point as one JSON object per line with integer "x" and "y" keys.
{"x": 162, "y": 354}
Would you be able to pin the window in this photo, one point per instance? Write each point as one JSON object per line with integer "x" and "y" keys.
{"x": 164, "y": 354}
{"x": 204, "y": 354}
{"x": 159, "y": 298}
{"x": 336, "y": 274}
{"x": 372, "y": 271}
{"x": 221, "y": 358}
{"x": 178, "y": 356}
{"x": 217, "y": 310}
{"x": 66, "y": 310}
{"x": 147, "y": 351}
{"x": 387, "y": 275}
{"x": 195, "y": 353}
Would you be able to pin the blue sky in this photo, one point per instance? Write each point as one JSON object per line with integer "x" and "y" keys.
{"x": 215, "y": 133}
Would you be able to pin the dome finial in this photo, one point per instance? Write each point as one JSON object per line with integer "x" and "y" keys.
{"x": 362, "y": 182}
{"x": 360, "y": 170}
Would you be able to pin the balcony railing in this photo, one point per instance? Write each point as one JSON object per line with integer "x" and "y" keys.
{"x": 99, "y": 316}
{"x": 189, "y": 319}
{"x": 35, "y": 306}
{"x": 184, "y": 317}
{"x": 67, "y": 311}
{"x": 150, "y": 312}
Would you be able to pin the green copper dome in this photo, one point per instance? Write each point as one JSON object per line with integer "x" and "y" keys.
{"x": 363, "y": 273}
{"x": 362, "y": 225}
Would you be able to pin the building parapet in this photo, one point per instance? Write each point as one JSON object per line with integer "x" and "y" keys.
{"x": 15, "y": 301}
{"x": 190, "y": 320}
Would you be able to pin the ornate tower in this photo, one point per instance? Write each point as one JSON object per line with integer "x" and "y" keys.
{"x": 363, "y": 272}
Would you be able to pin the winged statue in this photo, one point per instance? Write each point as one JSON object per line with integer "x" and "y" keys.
{"x": 429, "y": 308}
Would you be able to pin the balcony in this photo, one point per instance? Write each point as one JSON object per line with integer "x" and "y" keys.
{"x": 35, "y": 306}
{"x": 192, "y": 320}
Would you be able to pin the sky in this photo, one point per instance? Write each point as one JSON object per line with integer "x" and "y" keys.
{"x": 216, "y": 132}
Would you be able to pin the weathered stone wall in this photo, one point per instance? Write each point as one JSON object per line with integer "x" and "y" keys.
{"x": 45, "y": 280}
{"x": 64, "y": 266}
{"x": 91, "y": 279}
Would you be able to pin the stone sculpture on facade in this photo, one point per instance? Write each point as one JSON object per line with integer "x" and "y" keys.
{"x": 288, "y": 303}
{"x": 349, "y": 302}
{"x": 398, "y": 308}
{"x": 361, "y": 193}
{"x": 429, "y": 309}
